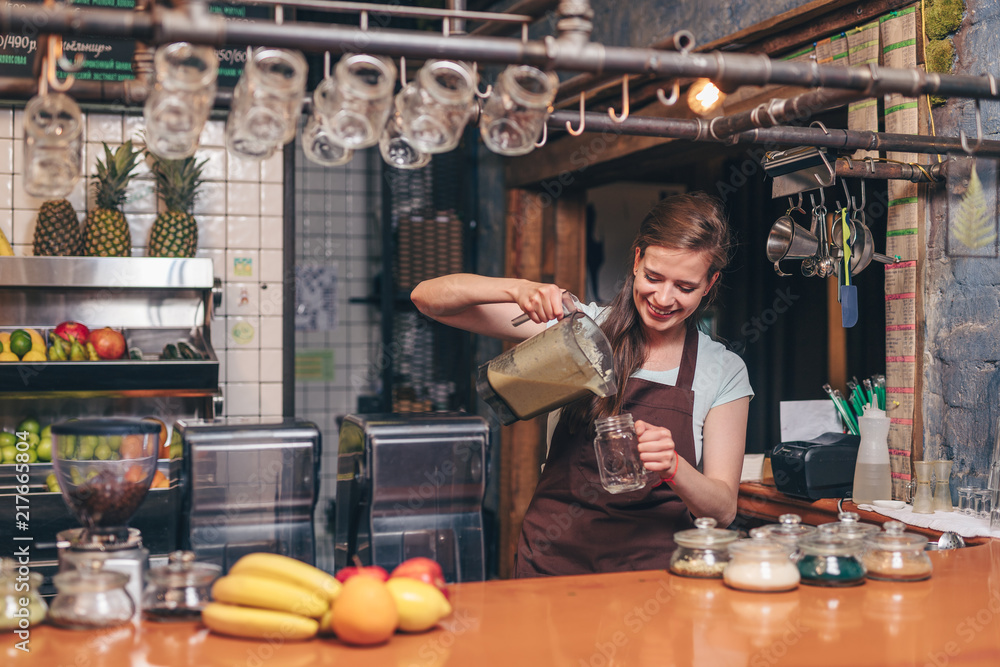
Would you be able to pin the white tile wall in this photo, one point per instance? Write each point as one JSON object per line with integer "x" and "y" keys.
{"x": 240, "y": 227}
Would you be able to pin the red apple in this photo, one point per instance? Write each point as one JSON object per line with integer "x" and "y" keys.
{"x": 108, "y": 343}
{"x": 422, "y": 569}
{"x": 73, "y": 331}
{"x": 345, "y": 573}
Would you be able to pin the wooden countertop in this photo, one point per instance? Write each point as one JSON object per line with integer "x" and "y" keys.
{"x": 636, "y": 618}
{"x": 760, "y": 501}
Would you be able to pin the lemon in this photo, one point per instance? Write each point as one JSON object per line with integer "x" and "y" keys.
{"x": 8, "y": 356}
{"x": 420, "y": 605}
{"x": 33, "y": 355}
{"x": 5, "y": 338}
{"x": 37, "y": 342}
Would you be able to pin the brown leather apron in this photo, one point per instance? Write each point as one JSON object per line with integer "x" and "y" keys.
{"x": 574, "y": 526}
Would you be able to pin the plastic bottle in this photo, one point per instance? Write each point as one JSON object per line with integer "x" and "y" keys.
{"x": 872, "y": 478}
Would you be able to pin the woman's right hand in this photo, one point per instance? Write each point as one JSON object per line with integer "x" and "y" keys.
{"x": 539, "y": 301}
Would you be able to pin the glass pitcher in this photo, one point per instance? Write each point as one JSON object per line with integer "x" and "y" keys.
{"x": 557, "y": 366}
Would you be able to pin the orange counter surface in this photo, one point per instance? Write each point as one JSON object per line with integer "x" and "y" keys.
{"x": 641, "y": 618}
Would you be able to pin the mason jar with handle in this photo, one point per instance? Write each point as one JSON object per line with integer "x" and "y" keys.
{"x": 515, "y": 112}
{"x": 435, "y": 106}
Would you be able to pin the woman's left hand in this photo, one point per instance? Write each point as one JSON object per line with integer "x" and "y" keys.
{"x": 656, "y": 449}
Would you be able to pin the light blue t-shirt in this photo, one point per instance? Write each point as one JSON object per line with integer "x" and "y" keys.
{"x": 719, "y": 377}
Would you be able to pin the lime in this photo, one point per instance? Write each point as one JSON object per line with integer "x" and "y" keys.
{"x": 102, "y": 452}
{"x": 20, "y": 342}
{"x": 7, "y": 439}
{"x": 44, "y": 450}
{"x": 9, "y": 453}
{"x": 29, "y": 424}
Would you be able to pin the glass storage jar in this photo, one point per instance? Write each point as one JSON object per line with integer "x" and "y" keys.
{"x": 760, "y": 564}
{"x": 90, "y": 599}
{"x": 179, "y": 590}
{"x": 849, "y": 526}
{"x": 788, "y": 531}
{"x": 702, "y": 551}
{"x": 895, "y": 555}
{"x": 21, "y": 605}
{"x": 831, "y": 559}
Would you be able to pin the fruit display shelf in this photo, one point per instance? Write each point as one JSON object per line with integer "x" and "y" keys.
{"x": 151, "y": 375}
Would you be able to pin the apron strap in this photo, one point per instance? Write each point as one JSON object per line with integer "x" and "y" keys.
{"x": 689, "y": 358}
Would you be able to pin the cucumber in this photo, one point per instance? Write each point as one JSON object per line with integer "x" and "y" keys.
{"x": 170, "y": 352}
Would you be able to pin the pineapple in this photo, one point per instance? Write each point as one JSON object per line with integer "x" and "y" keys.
{"x": 106, "y": 230}
{"x": 175, "y": 232}
{"x": 58, "y": 231}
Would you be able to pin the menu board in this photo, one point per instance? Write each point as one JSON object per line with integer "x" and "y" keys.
{"x": 111, "y": 59}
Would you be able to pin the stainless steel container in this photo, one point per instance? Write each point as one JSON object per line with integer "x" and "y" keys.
{"x": 412, "y": 485}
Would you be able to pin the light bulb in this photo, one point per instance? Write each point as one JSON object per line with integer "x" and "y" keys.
{"x": 704, "y": 97}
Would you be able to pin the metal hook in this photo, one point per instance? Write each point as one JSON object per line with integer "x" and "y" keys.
{"x": 851, "y": 204}
{"x": 524, "y": 33}
{"x": 821, "y": 126}
{"x": 55, "y": 56}
{"x": 545, "y": 136}
{"x": 675, "y": 94}
{"x": 611, "y": 110}
{"x": 326, "y": 65}
{"x": 475, "y": 74}
{"x": 583, "y": 120}
{"x": 979, "y": 133}
{"x": 402, "y": 71}
{"x": 364, "y": 21}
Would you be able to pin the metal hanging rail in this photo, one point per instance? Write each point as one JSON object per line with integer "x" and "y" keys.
{"x": 570, "y": 51}
{"x": 697, "y": 129}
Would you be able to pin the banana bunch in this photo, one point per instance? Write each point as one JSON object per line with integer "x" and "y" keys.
{"x": 266, "y": 594}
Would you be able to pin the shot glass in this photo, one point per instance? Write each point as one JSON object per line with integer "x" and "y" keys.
{"x": 983, "y": 504}
{"x": 436, "y": 105}
{"x": 53, "y": 145}
{"x": 356, "y": 102}
{"x": 397, "y": 150}
{"x": 515, "y": 112}
{"x": 966, "y": 500}
{"x": 181, "y": 98}
{"x": 319, "y": 146}
{"x": 266, "y": 103}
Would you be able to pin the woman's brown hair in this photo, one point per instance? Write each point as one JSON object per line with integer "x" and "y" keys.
{"x": 693, "y": 221}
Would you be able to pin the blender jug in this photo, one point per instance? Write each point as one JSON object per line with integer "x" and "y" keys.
{"x": 549, "y": 370}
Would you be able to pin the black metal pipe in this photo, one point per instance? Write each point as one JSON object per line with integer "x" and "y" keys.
{"x": 780, "y": 111}
{"x": 567, "y": 53}
{"x": 696, "y": 129}
{"x": 890, "y": 171}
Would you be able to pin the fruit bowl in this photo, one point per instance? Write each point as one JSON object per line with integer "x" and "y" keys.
{"x": 105, "y": 468}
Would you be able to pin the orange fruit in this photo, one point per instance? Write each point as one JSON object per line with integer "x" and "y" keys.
{"x": 364, "y": 612}
{"x": 132, "y": 446}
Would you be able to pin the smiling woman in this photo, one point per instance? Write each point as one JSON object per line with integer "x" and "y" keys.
{"x": 688, "y": 394}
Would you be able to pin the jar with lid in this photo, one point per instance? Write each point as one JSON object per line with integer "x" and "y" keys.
{"x": 831, "y": 559}
{"x": 788, "y": 531}
{"x": 760, "y": 564}
{"x": 895, "y": 555}
{"x": 21, "y": 605}
{"x": 702, "y": 551}
{"x": 91, "y": 598}
{"x": 849, "y": 527}
{"x": 179, "y": 590}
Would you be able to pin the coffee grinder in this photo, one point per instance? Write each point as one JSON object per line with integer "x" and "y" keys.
{"x": 105, "y": 468}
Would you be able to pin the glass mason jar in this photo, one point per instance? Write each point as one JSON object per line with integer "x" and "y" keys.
{"x": 15, "y": 590}
{"x": 849, "y": 526}
{"x": 181, "y": 99}
{"x": 515, "y": 113}
{"x": 397, "y": 150}
{"x": 702, "y": 551}
{"x": 435, "y": 106}
{"x": 267, "y": 102}
{"x": 319, "y": 146}
{"x": 89, "y": 599}
{"x": 355, "y": 103}
{"x": 831, "y": 559}
{"x": 617, "y": 449}
{"x": 179, "y": 590}
{"x": 788, "y": 531}
{"x": 53, "y": 145}
{"x": 760, "y": 564}
{"x": 895, "y": 555}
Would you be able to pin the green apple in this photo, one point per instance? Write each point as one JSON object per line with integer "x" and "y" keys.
{"x": 44, "y": 449}
{"x": 30, "y": 424}
{"x": 102, "y": 452}
{"x": 33, "y": 439}
{"x": 46, "y": 432}
{"x": 7, "y": 439}
{"x": 9, "y": 453}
